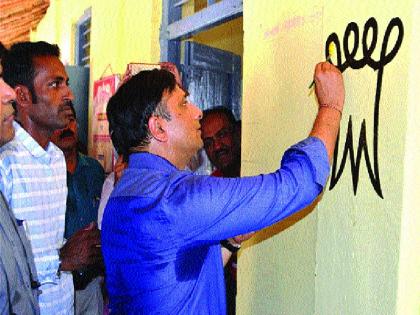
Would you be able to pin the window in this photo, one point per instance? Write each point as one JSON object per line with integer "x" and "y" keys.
{"x": 82, "y": 53}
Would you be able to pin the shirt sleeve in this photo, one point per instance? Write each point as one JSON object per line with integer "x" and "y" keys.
{"x": 210, "y": 209}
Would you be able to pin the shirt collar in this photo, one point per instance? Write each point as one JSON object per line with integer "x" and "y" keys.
{"x": 81, "y": 160}
{"x": 146, "y": 160}
{"x": 32, "y": 146}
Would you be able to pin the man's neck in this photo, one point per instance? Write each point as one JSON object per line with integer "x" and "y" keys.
{"x": 41, "y": 136}
{"x": 179, "y": 160}
{"x": 233, "y": 170}
{"x": 71, "y": 160}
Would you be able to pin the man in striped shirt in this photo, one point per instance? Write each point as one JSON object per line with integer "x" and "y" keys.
{"x": 33, "y": 170}
{"x": 18, "y": 282}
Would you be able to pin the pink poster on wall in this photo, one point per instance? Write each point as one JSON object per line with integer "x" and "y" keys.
{"x": 102, "y": 148}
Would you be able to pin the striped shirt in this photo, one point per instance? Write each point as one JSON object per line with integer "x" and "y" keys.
{"x": 33, "y": 181}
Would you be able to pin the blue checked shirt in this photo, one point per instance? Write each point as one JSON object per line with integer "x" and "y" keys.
{"x": 33, "y": 181}
{"x": 162, "y": 227}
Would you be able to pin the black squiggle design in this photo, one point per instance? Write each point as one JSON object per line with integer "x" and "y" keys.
{"x": 371, "y": 26}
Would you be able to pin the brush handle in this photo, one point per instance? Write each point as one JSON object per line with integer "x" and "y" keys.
{"x": 313, "y": 81}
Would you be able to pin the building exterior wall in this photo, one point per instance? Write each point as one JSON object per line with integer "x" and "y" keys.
{"x": 358, "y": 251}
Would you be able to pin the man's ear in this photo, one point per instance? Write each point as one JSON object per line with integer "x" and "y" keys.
{"x": 157, "y": 128}
{"x": 23, "y": 96}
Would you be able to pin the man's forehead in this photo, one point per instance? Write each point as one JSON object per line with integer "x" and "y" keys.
{"x": 216, "y": 118}
{"x": 49, "y": 65}
{"x": 178, "y": 92}
{"x": 213, "y": 123}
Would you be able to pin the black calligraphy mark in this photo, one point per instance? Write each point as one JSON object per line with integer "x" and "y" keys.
{"x": 352, "y": 30}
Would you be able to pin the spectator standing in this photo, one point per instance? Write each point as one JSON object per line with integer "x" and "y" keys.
{"x": 18, "y": 279}
{"x": 85, "y": 177}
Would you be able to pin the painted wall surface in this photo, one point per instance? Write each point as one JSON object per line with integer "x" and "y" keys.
{"x": 358, "y": 252}
{"x": 227, "y": 36}
{"x": 120, "y": 34}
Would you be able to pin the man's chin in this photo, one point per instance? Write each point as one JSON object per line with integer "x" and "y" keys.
{"x": 6, "y": 136}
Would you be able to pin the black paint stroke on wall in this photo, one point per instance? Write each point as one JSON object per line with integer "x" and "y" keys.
{"x": 352, "y": 31}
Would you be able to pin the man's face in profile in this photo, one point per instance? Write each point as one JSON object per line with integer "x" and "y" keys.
{"x": 7, "y": 96}
{"x": 66, "y": 138}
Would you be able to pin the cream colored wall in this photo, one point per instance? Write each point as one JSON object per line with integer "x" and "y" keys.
{"x": 123, "y": 33}
{"x": 355, "y": 254}
{"x": 276, "y": 271}
{"x": 227, "y": 36}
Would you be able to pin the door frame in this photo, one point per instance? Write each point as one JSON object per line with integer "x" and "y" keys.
{"x": 174, "y": 28}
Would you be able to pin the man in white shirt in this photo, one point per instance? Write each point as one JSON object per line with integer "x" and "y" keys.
{"x": 33, "y": 171}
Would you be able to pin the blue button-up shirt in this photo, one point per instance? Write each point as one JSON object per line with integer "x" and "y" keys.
{"x": 162, "y": 227}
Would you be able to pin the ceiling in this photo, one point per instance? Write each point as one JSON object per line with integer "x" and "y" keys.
{"x": 19, "y": 17}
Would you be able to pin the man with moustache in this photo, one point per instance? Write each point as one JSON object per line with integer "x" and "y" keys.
{"x": 85, "y": 177}
{"x": 163, "y": 225}
{"x": 18, "y": 280}
{"x": 222, "y": 145}
{"x": 33, "y": 171}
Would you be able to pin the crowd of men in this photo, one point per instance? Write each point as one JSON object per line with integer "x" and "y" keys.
{"x": 166, "y": 232}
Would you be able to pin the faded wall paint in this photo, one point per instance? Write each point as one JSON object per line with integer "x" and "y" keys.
{"x": 358, "y": 252}
{"x": 120, "y": 34}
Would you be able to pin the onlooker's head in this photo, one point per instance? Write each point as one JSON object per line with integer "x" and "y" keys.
{"x": 7, "y": 97}
{"x": 218, "y": 131}
{"x": 150, "y": 109}
{"x": 40, "y": 81}
{"x": 66, "y": 138}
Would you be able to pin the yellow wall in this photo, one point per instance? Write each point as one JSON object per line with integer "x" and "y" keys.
{"x": 356, "y": 253}
{"x": 128, "y": 32}
{"x": 227, "y": 36}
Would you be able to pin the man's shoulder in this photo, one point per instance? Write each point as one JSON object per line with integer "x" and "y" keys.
{"x": 90, "y": 162}
{"x": 10, "y": 151}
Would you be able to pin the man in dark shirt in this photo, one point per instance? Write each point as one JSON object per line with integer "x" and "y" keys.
{"x": 221, "y": 138}
{"x": 85, "y": 177}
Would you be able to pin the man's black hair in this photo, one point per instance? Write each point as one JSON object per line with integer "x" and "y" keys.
{"x": 3, "y": 51}
{"x": 220, "y": 110}
{"x": 131, "y": 107}
{"x": 18, "y": 63}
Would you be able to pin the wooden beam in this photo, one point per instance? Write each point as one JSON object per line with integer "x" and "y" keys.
{"x": 211, "y": 16}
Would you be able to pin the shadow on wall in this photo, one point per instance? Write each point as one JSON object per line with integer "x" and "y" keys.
{"x": 282, "y": 225}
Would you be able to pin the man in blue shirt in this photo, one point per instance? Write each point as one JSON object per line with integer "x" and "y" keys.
{"x": 163, "y": 225}
{"x": 222, "y": 142}
{"x": 85, "y": 177}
